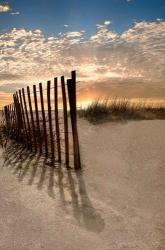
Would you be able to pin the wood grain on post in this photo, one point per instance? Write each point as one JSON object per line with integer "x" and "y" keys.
{"x": 16, "y": 113}
{"x": 11, "y": 118}
{"x": 50, "y": 120}
{"x": 23, "y": 117}
{"x": 71, "y": 84}
{"x": 37, "y": 118}
{"x": 14, "y": 120}
{"x": 21, "y": 124}
{"x": 57, "y": 119}
{"x": 6, "y": 117}
{"x": 32, "y": 119}
{"x": 11, "y": 114}
{"x": 6, "y": 120}
{"x": 3, "y": 115}
{"x": 18, "y": 118}
{"x": 2, "y": 118}
{"x": 9, "y": 122}
{"x": 29, "y": 133}
{"x": 43, "y": 119}
{"x": 65, "y": 115}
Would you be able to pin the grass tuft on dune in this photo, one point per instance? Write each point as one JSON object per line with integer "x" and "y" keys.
{"x": 122, "y": 109}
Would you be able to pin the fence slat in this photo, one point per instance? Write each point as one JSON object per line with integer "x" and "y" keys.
{"x": 18, "y": 117}
{"x": 37, "y": 119}
{"x": 57, "y": 119}
{"x": 6, "y": 117}
{"x": 50, "y": 120}
{"x": 11, "y": 114}
{"x": 14, "y": 120}
{"x": 27, "y": 117}
{"x": 10, "y": 117}
{"x": 43, "y": 119}
{"x": 71, "y": 84}
{"x": 32, "y": 119}
{"x": 23, "y": 117}
{"x": 65, "y": 115}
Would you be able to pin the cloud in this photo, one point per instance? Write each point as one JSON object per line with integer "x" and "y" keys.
{"x": 106, "y": 57}
{"x": 66, "y": 25}
{"x": 104, "y": 35}
{"x": 107, "y": 22}
{"x": 11, "y": 88}
{"x": 4, "y": 7}
{"x": 15, "y": 13}
{"x": 73, "y": 34}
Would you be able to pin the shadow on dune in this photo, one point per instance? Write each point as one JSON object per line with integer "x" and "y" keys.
{"x": 59, "y": 182}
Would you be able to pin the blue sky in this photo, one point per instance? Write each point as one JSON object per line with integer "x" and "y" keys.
{"x": 51, "y": 15}
{"x": 116, "y": 46}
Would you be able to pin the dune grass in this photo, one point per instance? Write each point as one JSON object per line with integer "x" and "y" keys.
{"x": 122, "y": 109}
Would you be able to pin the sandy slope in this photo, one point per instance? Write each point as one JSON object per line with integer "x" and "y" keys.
{"x": 117, "y": 202}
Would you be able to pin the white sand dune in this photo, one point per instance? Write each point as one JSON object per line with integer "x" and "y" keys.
{"x": 117, "y": 202}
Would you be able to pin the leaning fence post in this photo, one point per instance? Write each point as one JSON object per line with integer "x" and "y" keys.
{"x": 71, "y": 84}
{"x": 27, "y": 117}
{"x": 50, "y": 120}
{"x": 43, "y": 119}
{"x": 11, "y": 114}
{"x": 10, "y": 118}
{"x": 18, "y": 116}
{"x": 3, "y": 116}
{"x": 32, "y": 118}
{"x": 23, "y": 116}
{"x": 6, "y": 117}
{"x": 57, "y": 119}
{"x": 65, "y": 115}
{"x": 37, "y": 118}
{"x": 14, "y": 120}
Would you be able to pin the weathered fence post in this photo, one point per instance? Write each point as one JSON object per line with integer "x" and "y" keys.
{"x": 71, "y": 84}
{"x": 37, "y": 118}
{"x": 10, "y": 117}
{"x": 27, "y": 118}
{"x": 32, "y": 118}
{"x": 57, "y": 119}
{"x": 18, "y": 116}
{"x": 14, "y": 120}
{"x": 6, "y": 117}
{"x": 3, "y": 116}
{"x": 65, "y": 115}
{"x": 23, "y": 117}
{"x": 43, "y": 119}
{"x": 50, "y": 120}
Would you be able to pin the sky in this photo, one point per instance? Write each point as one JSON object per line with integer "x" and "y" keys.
{"x": 117, "y": 47}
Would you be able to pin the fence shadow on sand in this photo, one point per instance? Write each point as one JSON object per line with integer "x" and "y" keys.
{"x": 59, "y": 182}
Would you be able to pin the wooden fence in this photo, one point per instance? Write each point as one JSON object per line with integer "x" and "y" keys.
{"x": 52, "y": 131}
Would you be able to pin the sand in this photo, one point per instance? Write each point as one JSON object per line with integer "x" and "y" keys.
{"x": 116, "y": 202}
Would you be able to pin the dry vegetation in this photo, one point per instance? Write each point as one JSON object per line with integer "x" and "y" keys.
{"x": 122, "y": 109}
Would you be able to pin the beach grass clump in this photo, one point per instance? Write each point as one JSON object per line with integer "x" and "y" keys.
{"x": 122, "y": 109}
